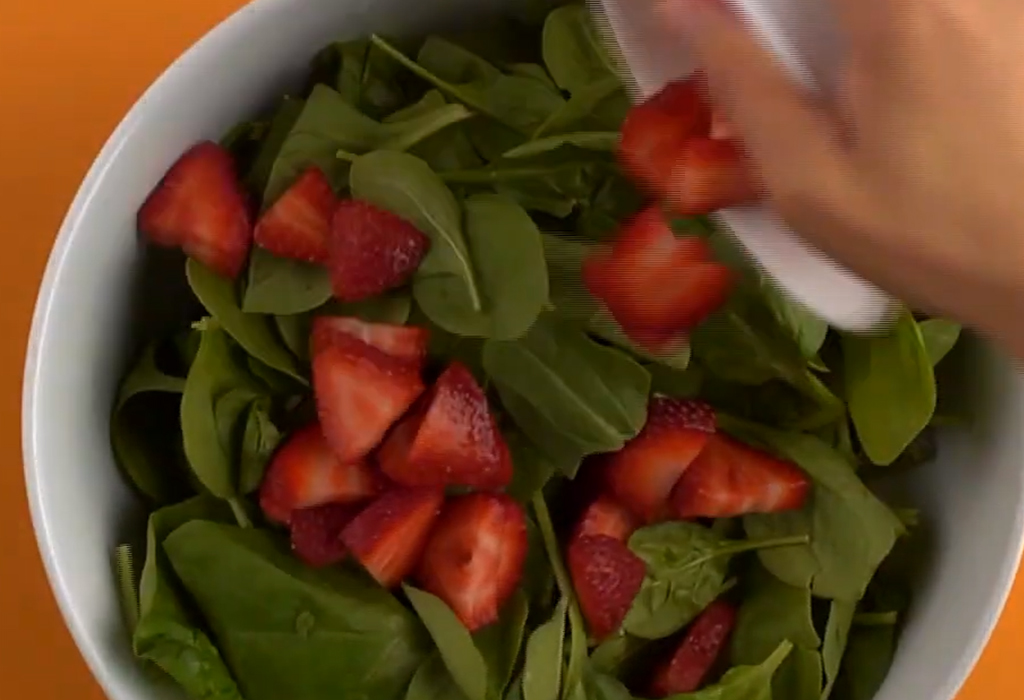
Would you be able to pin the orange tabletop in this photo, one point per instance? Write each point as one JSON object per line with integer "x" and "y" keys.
{"x": 68, "y": 72}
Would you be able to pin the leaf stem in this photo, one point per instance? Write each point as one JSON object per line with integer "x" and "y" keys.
{"x": 241, "y": 517}
{"x": 495, "y": 174}
{"x": 126, "y": 585}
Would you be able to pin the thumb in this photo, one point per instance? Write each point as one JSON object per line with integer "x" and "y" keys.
{"x": 793, "y": 144}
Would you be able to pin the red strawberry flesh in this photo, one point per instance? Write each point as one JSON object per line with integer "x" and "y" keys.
{"x": 703, "y": 643}
{"x": 710, "y": 174}
{"x": 405, "y": 343}
{"x": 606, "y": 517}
{"x": 298, "y": 224}
{"x": 316, "y": 532}
{"x": 607, "y": 577}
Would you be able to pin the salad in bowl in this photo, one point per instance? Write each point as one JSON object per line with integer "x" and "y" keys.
{"x": 473, "y": 398}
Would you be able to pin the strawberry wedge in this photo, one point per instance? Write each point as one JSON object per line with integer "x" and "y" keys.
{"x": 730, "y": 479}
{"x": 200, "y": 207}
{"x": 606, "y": 576}
{"x": 305, "y": 472}
{"x": 709, "y": 175}
{"x": 604, "y": 516}
{"x": 643, "y": 473}
{"x": 297, "y": 225}
{"x": 702, "y": 644}
{"x": 316, "y": 532}
{"x": 404, "y": 343}
{"x": 451, "y": 440}
{"x": 474, "y": 558}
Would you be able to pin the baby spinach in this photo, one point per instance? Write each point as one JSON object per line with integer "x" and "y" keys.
{"x": 281, "y": 124}
{"x": 453, "y": 63}
{"x": 508, "y": 262}
{"x": 588, "y": 104}
{"x": 850, "y": 530}
{"x": 288, "y": 631}
{"x": 572, "y": 51}
{"x": 837, "y": 632}
{"x": 590, "y": 140}
{"x": 499, "y": 643}
{"x": 939, "y": 336}
{"x": 542, "y": 672}
{"x": 799, "y": 677}
{"x": 868, "y": 657}
{"x": 890, "y": 388}
{"x": 252, "y": 331}
{"x": 260, "y": 438}
{"x": 432, "y": 681}
{"x": 407, "y": 187}
{"x": 744, "y": 682}
{"x": 532, "y": 470}
{"x": 283, "y": 286}
{"x": 595, "y": 396}
{"x": 770, "y": 613}
{"x": 686, "y": 570}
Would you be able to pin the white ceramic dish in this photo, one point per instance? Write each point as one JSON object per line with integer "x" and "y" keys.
{"x": 85, "y": 320}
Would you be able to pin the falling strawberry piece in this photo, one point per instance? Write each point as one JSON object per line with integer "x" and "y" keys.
{"x": 387, "y": 537}
{"x": 654, "y": 131}
{"x": 606, "y": 517}
{"x": 200, "y": 207}
{"x": 643, "y": 473}
{"x": 474, "y": 558}
{"x": 730, "y": 479}
{"x": 316, "y": 532}
{"x": 371, "y": 250}
{"x": 297, "y": 225}
{"x": 710, "y": 174}
{"x": 360, "y": 392}
{"x": 405, "y": 343}
{"x": 452, "y": 440}
{"x": 607, "y": 577}
{"x": 305, "y": 472}
{"x": 647, "y": 256}
{"x": 696, "y": 654}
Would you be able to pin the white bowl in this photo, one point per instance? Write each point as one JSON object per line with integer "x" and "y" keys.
{"x": 86, "y": 319}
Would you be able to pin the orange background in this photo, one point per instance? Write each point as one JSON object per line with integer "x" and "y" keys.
{"x": 69, "y": 70}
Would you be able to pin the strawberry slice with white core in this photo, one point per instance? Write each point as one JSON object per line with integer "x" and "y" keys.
{"x": 605, "y": 516}
{"x": 606, "y": 576}
{"x": 404, "y": 343}
{"x": 710, "y": 174}
{"x": 298, "y": 224}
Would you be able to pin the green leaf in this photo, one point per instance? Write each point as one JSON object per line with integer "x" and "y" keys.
{"x": 453, "y": 63}
{"x": 508, "y": 260}
{"x": 281, "y": 124}
{"x": 939, "y": 337}
{"x": 288, "y": 631}
{"x": 601, "y": 686}
{"x": 542, "y": 672}
{"x": 391, "y": 307}
{"x": 259, "y": 440}
{"x": 144, "y": 429}
{"x": 686, "y": 570}
{"x": 850, "y": 530}
{"x": 432, "y": 681}
{"x": 166, "y": 634}
{"x": 837, "y": 631}
{"x": 560, "y": 450}
{"x": 532, "y": 469}
{"x": 499, "y": 643}
{"x": 206, "y": 429}
{"x": 572, "y": 52}
{"x": 770, "y": 613}
{"x": 866, "y": 663}
{"x": 890, "y": 388}
{"x": 454, "y": 642}
{"x": 367, "y": 78}
{"x": 407, "y": 133}
{"x": 604, "y": 95}
{"x": 282, "y": 286}
{"x": 806, "y": 328}
{"x": 799, "y": 676}
{"x": 253, "y": 332}
{"x": 590, "y": 140}
{"x": 744, "y": 682}
{"x": 595, "y": 396}
{"x": 407, "y": 187}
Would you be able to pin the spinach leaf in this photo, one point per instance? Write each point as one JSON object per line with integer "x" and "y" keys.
{"x": 499, "y": 643}
{"x": 288, "y": 631}
{"x": 432, "y": 681}
{"x": 143, "y": 440}
{"x": 391, "y": 307}
{"x": 368, "y": 79}
{"x": 837, "y": 631}
{"x": 280, "y": 126}
{"x": 508, "y": 259}
{"x": 455, "y": 644}
{"x": 406, "y": 133}
{"x": 890, "y": 388}
{"x": 686, "y": 568}
{"x": 259, "y": 440}
{"x": 166, "y": 634}
{"x": 601, "y": 686}
{"x": 558, "y": 449}
{"x": 532, "y": 470}
{"x": 770, "y": 613}
{"x": 806, "y": 328}
{"x": 407, "y": 187}
{"x": 453, "y": 63}
{"x": 282, "y": 286}
{"x": 866, "y": 663}
{"x": 939, "y": 336}
{"x": 850, "y": 530}
{"x": 590, "y": 140}
{"x": 595, "y": 396}
{"x": 294, "y": 330}
{"x": 744, "y": 682}
{"x": 253, "y": 332}
{"x": 799, "y": 676}
{"x": 603, "y": 101}
{"x": 572, "y": 52}
{"x": 542, "y": 672}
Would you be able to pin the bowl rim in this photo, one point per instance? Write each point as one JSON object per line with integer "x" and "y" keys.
{"x": 239, "y": 21}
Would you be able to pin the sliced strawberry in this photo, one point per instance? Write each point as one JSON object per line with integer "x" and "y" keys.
{"x": 406, "y": 343}
{"x": 316, "y": 532}
{"x": 654, "y": 131}
{"x": 371, "y": 250}
{"x": 305, "y": 472}
{"x": 387, "y": 537}
{"x": 360, "y": 392}
{"x": 648, "y": 256}
{"x": 297, "y": 225}
{"x": 452, "y": 440}
{"x": 730, "y": 478}
{"x": 643, "y": 472}
{"x": 606, "y": 576}
{"x": 606, "y": 517}
{"x": 696, "y": 654}
{"x": 474, "y": 558}
{"x": 200, "y": 207}
{"x": 710, "y": 174}
{"x": 721, "y": 127}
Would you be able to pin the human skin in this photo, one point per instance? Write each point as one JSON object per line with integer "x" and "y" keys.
{"x": 914, "y": 176}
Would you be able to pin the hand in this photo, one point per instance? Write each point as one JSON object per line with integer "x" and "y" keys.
{"x": 915, "y": 177}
